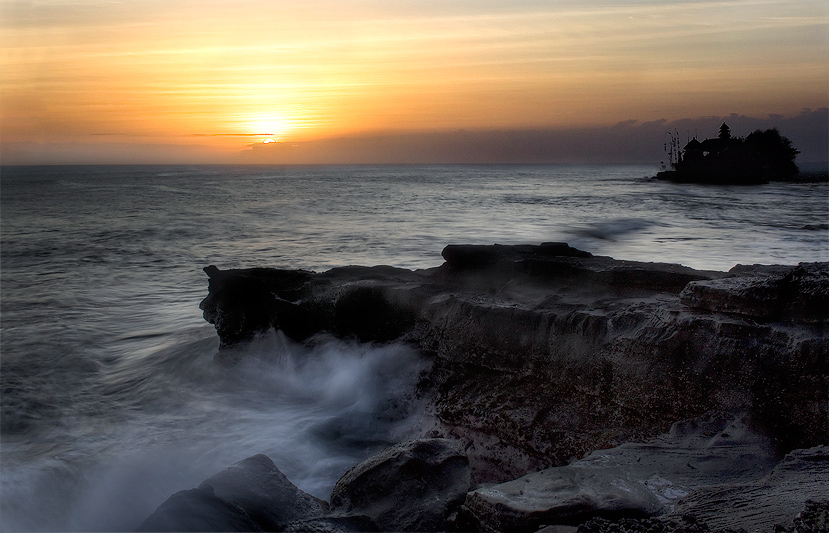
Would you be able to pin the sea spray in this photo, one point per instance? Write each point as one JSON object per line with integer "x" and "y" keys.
{"x": 173, "y": 416}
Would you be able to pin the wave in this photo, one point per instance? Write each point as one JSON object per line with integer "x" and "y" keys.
{"x": 162, "y": 418}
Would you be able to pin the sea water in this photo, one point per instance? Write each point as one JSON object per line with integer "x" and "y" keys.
{"x": 112, "y": 397}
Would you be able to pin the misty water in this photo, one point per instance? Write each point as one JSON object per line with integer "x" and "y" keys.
{"x": 112, "y": 395}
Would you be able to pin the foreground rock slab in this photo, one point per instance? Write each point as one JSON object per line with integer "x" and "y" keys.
{"x": 634, "y": 480}
{"x": 774, "y": 500}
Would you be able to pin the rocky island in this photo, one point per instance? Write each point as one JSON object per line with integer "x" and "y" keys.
{"x": 566, "y": 391}
{"x": 760, "y": 157}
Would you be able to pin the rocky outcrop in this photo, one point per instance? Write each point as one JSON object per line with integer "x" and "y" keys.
{"x": 544, "y": 353}
{"x": 766, "y": 293}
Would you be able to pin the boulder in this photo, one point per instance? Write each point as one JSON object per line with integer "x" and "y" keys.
{"x": 251, "y": 495}
{"x": 198, "y": 510}
{"x": 256, "y": 485}
{"x": 413, "y": 486}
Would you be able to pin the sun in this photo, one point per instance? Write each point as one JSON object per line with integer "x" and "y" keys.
{"x": 269, "y": 126}
{"x": 268, "y": 141}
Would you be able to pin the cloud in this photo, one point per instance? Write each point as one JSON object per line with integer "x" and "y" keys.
{"x": 629, "y": 141}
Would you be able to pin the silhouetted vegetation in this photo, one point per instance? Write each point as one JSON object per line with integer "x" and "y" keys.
{"x": 762, "y": 156}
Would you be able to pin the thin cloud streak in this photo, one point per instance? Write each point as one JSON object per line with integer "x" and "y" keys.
{"x": 162, "y": 70}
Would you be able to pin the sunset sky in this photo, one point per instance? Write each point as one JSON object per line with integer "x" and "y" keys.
{"x": 211, "y": 81}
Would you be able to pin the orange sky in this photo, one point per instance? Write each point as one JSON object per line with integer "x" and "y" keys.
{"x": 216, "y": 76}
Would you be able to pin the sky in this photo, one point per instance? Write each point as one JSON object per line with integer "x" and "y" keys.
{"x": 328, "y": 81}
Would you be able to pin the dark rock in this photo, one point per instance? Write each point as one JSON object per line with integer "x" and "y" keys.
{"x": 333, "y": 524}
{"x": 473, "y": 255}
{"x": 413, "y": 486}
{"x": 813, "y": 519}
{"x": 776, "y": 499}
{"x": 631, "y": 481}
{"x": 543, "y": 353}
{"x": 256, "y": 485}
{"x": 366, "y": 312}
{"x": 198, "y": 510}
{"x": 251, "y": 495}
{"x": 790, "y": 294}
{"x": 241, "y": 303}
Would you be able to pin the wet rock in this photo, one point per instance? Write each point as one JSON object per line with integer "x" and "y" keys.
{"x": 333, "y": 524}
{"x": 544, "y": 353}
{"x": 413, "y": 486}
{"x": 256, "y": 485}
{"x": 560, "y": 496}
{"x": 774, "y": 500}
{"x": 251, "y": 495}
{"x": 198, "y": 510}
{"x": 633, "y": 481}
{"x": 766, "y": 293}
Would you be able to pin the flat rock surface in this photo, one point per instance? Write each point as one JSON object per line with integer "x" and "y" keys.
{"x": 633, "y": 480}
{"x": 760, "y": 505}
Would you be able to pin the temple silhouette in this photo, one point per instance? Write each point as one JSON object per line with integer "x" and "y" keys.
{"x": 762, "y": 156}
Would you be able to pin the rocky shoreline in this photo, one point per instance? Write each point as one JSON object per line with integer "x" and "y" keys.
{"x": 566, "y": 390}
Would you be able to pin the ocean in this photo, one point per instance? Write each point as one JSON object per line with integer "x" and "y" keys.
{"x": 112, "y": 399}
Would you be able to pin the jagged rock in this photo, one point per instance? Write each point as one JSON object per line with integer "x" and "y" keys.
{"x": 251, "y": 495}
{"x": 413, "y": 486}
{"x": 813, "y": 518}
{"x": 633, "y": 480}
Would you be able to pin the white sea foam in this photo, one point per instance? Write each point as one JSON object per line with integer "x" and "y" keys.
{"x": 164, "y": 419}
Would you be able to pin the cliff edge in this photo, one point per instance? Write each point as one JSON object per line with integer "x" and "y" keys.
{"x": 545, "y": 353}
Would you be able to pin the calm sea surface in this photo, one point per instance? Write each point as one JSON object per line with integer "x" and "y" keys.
{"x": 111, "y": 397}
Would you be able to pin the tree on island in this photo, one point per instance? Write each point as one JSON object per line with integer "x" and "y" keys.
{"x": 762, "y": 156}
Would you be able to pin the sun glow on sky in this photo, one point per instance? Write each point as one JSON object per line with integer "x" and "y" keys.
{"x": 221, "y": 74}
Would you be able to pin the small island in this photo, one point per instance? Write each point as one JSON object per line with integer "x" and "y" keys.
{"x": 761, "y": 157}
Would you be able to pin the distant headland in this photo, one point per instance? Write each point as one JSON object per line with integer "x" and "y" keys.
{"x": 761, "y": 157}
